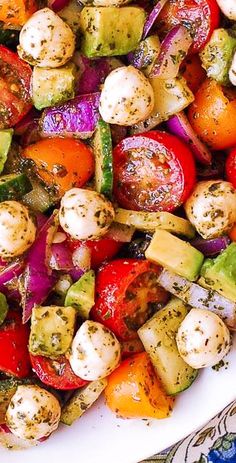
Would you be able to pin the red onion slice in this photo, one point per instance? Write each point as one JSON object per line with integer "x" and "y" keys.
{"x": 58, "y": 5}
{"x": 61, "y": 257}
{"x": 174, "y": 49}
{"x": 211, "y": 247}
{"x": 180, "y": 126}
{"x": 152, "y": 17}
{"x": 77, "y": 117}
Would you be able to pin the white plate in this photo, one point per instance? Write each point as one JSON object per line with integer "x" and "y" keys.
{"x": 99, "y": 437}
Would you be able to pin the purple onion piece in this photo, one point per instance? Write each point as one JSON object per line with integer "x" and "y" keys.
{"x": 61, "y": 257}
{"x": 77, "y": 117}
{"x": 215, "y": 170}
{"x": 41, "y": 219}
{"x": 211, "y": 247}
{"x": 173, "y": 50}
{"x": 92, "y": 74}
{"x": 24, "y": 123}
{"x": 32, "y": 134}
{"x": 58, "y": 5}
{"x": 180, "y": 126}
{"x": 153, "y": 17}
{"x": 9, "y": 279}
{"x": 38, "y": 280}
{"x": 76, "y": 273}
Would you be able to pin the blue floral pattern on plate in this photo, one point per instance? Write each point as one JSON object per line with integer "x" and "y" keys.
{"x": 215, "y": 443}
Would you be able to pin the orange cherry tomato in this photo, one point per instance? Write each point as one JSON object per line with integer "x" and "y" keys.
{"x": 16, "y": 12}
{"x": 232, "y": 233}
{"x": 62, "y": 163}
{"x": 134, "y": 391}
{"x": 193, "y": 72}
{"x": 213, "y": 115}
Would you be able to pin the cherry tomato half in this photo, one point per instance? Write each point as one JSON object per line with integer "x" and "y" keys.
{"x": 63, "y": 163}
{"x": 201, "y": 17}
{"x": 213, "y": 115}
{"x": 154, "y": 171}
{"x": 14, "y": 355}
{"x": 56, "y": 373}
{"x": 126, "y": 294}
{"x": 101, "y": 250}
{"x": 15, "y": 77}
{"x": 16, "y": 12}
{"x": 192, "y": 70}
{"x": 231, "y": 167}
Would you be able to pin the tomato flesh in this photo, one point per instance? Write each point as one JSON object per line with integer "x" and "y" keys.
{"x": 154, "y": 171}
{"x": 56, "y": 373}
{"x": 231, "y": 167}
{"x": 14, "y": 337}
{"x": 201, "y": 17}
{"x": 126, "y": 294}
{"x": 15, "y": 77}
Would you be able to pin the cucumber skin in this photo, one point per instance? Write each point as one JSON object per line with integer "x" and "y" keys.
{"x": 14, "y": 187}
{"x": 103, "y": 159}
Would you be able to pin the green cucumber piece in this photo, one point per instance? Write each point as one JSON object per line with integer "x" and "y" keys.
{"x": 81, "y": 295}
{"x": 14, "y": 186}
{"x": 158, "y": 337}
{"x": 3, "y": 308}
{"x": 82, "y": 400}
{"x": 103, "y": 159}
{"x": 5, "y": 143}
{"x": 39, "y": 199}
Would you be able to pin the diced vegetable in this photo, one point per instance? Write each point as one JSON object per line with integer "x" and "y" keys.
{"x": 171, "y": 97}
{"x": 60, "y": 257}
{"x": 39, "y": 199}
{"x": 71, "y": 15}
{"x": 102, "y": 144}
{"x": 52, "y": 330}
{"x": 144, "y": 56}
{"x": 3, "y": 308}
{"x": 37, "y": 280}
{"x": 57, "y": 5}
{"x": 198, "y": 297}
{"x": 180, "y": 126}
{"x": 150, "y": 221}
{"x": 78, "y": 117}
{"x": 158, "y": 337}
{"x": 81, "y": 401}
{"x": 5, "y": 144}
{"x": 175, "y": 254}
{"x": 120, "y": 232}
{"x": 108, "y": 31}
{"x": 126, "y": 392}
{"x": 173, "y": 50}
{"x": 81, "y": 295}
{"x": 16, "y": 12}
{"x": 92, "y": 72}
{"x": 152, "y": 17}
{"x": 14, "y": 186}
{"x": 211, "y": 247}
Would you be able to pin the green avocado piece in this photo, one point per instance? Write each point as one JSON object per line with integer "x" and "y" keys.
{"x": 111, "y": 31}
{"x": 147, "y": 52}
{"x": 220, "y": 273}
{"x": 52, "y": 86}
{"x": 3, "y": 308}
{"x": 81, "y": 295}
{"x": 52, "y": 330}
{"x": 218, "y": 53}
{"x": 5, "y": 144}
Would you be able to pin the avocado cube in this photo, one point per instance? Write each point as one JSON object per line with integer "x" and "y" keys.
{"x": 220, "y": 273}
{"x": 218, "y": 53}
{"x": 52, "y": 86}
{"x": 81, "y": 294}
{"x": 111, "y": 31}
{"x": 175, "y": 254}
{"x": 52, "y": 330}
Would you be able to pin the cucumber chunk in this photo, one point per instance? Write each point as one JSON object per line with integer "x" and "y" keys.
{"x": 14, "y": 186}
{"x": 5, "y": 144}
{"x": 102, "y": 144}
{"x": 3, "y": 308}
{"x": 81, "y": 401}
{"x": 158, "y": 337}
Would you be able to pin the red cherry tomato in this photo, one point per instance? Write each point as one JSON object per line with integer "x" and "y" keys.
{"x": 14, "y": 355}
{"x": 231, "y": 167}
{"x": 101, "y": 250}
{"x": 126, "y": 294}
{"x": 154, "y": 171}
{"x": 201, "y": 17}
{"x": 15, "y": 77}
{"x": 56, "y": 373}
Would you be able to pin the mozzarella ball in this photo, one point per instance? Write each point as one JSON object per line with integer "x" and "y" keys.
{"x": 127, "y": 97}
{"x": 232, "y": 71}
{"x": 17, "y": 229}
{"x": 95, "y": 351}
{"x": 202, "y": 339}
{"x": 211, "y": 208}
{"x": 228, "y": 7}
{"x": 46, "y": 40}
{"x": 33, "y": 412}
{"x": 85, "y": 214}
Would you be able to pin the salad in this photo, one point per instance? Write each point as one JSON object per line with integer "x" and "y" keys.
{"x": 117, "y": 205}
